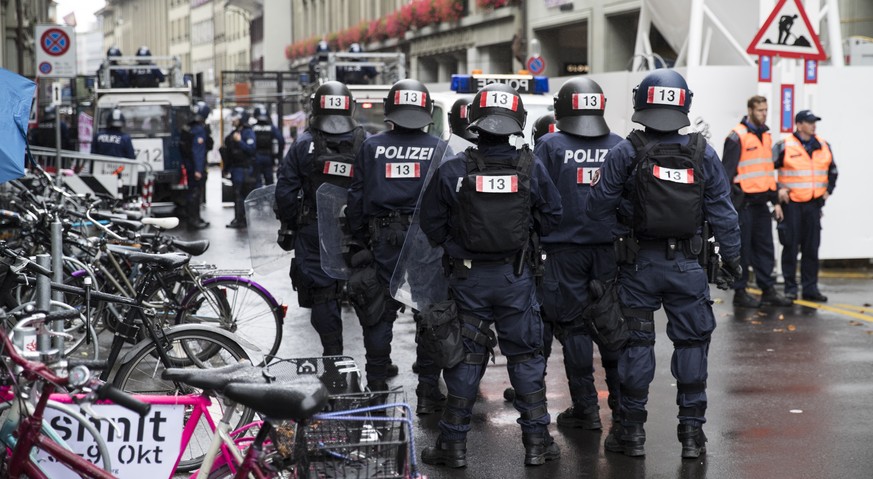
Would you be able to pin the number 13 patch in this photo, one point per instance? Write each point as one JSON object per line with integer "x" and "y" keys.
{"x": 499, "y": 99}
{"x": 497, "y": 184}
{"x": 402, "y": 170}
{"x": 674, "y": 175}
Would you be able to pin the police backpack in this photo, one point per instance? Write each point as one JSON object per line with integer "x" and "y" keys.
{"x": 333, "y": 160}
{"x": 668, "y": 194}
{"x": 494, "y": 204}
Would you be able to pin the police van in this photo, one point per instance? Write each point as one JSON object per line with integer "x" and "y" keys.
{"x": 153, "y": 119}
{"x": 532, "y": 89}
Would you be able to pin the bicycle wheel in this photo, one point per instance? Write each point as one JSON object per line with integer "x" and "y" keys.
{"x": 142, "y": 375}
{"x": 77, "y": 327}
{"x": 85, "y": 429}
{"x": 240, "y": 306}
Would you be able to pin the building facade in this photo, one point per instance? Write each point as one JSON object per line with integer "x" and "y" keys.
{"x": 17, "y": 21}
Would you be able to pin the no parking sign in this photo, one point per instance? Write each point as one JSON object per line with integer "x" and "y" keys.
{"x": 55, "y": 51}
{"x": 536, "y": 65}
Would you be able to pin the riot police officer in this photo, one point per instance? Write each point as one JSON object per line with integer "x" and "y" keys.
{"x": 269, "y": 144}
{"x": 239, "y": 158}
{"x": 357, "y": 75}
{"x": 663, "y": 185}
{"x": 112, "y": 141}
{"x": 483, "y": 206}
{"x": 459, "y": 120}
{"x": 580, "y": 250}
{"x": 147, "y": 75}
{"x": 44, "y": 134}
{"x": 543, "y": 126}
{"x": 196, "y": 142}
{"x": 117, "y": 78}
{"x": 389, "y": 172}
{"x": 332, "y": 133}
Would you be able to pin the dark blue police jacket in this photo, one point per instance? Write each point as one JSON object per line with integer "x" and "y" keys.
{"x": 198, "y": 149}
{"x": 390, "y": 169}
{"x": 439, "y": 206}
{"x": 606, "y": 195}
{"x": 571, "y": 161}
{"x": 274, "y": 133}
{"x": 113, "y": 142}
{"x": 294, "y": 169}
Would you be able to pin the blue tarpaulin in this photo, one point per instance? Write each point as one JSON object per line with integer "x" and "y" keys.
{"x": 16, "y": 95}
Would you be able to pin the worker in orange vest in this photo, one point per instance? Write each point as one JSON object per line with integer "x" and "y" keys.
{"x": 807, "y": 177}
{"x": 748, "y": 164}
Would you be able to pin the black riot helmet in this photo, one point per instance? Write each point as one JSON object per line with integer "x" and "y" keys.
{"x": 579, "y": 107}
{"x": 240, "y": 114}
{"x": 201, "y": 111}
{"x": 143, "y": 52}
{"x": 497, "y": 109}
{"x": 113, "y": 52}
{"x": 49, "y": 113}
{"x": 459, "y": 120}
{"x": 662, "y": 101}
{"x": 261, "y": 114}
{"x": 543, "y": 126}
{"x": 409, "y": 105}
{"x": 332, "y": 106}
{"x": 116, "y": 119}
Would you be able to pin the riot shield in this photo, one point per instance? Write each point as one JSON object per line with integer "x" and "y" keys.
{"x": 263, "y": 229}
{"x": 333, "y": 235}
{"x": 418, "y": 280}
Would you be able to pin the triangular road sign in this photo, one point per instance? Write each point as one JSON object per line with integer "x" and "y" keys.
{"x": 787, "y": 33}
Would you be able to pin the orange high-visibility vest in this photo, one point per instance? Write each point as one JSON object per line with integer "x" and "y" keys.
{"x": 806, "y": 178}
{"x": 755, "y": 168}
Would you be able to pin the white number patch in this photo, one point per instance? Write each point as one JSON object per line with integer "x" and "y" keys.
{"x": 585, "y": 176}
{"x": 497, "y": 184}
{"x": 674, "y": 175}
{"x": 410, "y": 97}
{"x": 335, "y": 102}
{"x": 499, "y": 99}
{"x": 588, "y": 101}
{"x": 403, "y": 170}
{"x": 338, "y": 169}
{"x": 662, "y": 95}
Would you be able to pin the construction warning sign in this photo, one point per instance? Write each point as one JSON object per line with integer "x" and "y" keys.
{"x": 787, "y": 33}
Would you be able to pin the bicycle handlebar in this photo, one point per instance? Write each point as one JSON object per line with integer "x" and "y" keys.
{"x": 117, "y": 396}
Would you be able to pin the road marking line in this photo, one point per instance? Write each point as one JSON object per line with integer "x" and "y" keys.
{"x": 861, "y": 309}
{"x": 851, "y": 314}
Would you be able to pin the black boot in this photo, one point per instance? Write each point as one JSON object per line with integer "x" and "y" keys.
{"x": 693, "y": 441}
{"x": 391, "y": 370}
{"x": 574, "y": 418}
{"x": 745, "y": 300}
{"x": 446, "y": 453}
{"x": 629, "y": 439}
{"x": 771, "y": 297}
{"x": 539, "y": 448}
{"x": 430, "y": 399}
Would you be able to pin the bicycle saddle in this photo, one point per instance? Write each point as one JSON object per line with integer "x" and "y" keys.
{"x": 194, "y": 248}
{"x": 167, "y": 223}
{"x": 165, "y": 261}
{"x": 296, "y": 399}
{"x": 215, "y": 379}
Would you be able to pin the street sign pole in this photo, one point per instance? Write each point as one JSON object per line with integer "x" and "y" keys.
{"x": 56, "y": 101}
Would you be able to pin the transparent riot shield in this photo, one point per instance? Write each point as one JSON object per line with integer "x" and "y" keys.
{"x": 418, "y": 280}
{"x": 333, "y": 235}
{"x": 263, "y": 230}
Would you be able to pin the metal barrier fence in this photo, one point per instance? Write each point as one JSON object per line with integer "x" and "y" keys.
{"x": 89, "y": 173}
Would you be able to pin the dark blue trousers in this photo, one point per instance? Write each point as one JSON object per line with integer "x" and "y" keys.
{"x": 800, "y": 231}
{"x": 326, "y": 316}
{"x": 756, "y": 235}
{"x": 679, "y": 285}
{"x": 263, "y": 170}
{"x": 565, "y": 295}
{"x": 493, "y": 293}
{"x": 238, "y": 175}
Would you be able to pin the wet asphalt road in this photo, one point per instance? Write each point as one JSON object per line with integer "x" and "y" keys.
{"x": 788, "y": 388}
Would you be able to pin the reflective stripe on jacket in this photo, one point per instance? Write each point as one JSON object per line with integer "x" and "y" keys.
{"x": 806, "y": 178}
{"x": 755, "y": 166}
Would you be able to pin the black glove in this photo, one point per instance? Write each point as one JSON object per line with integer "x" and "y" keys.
{"x": 729, "y": 272}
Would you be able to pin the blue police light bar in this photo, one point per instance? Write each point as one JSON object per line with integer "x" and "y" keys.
{"x": 521, "y": 83}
